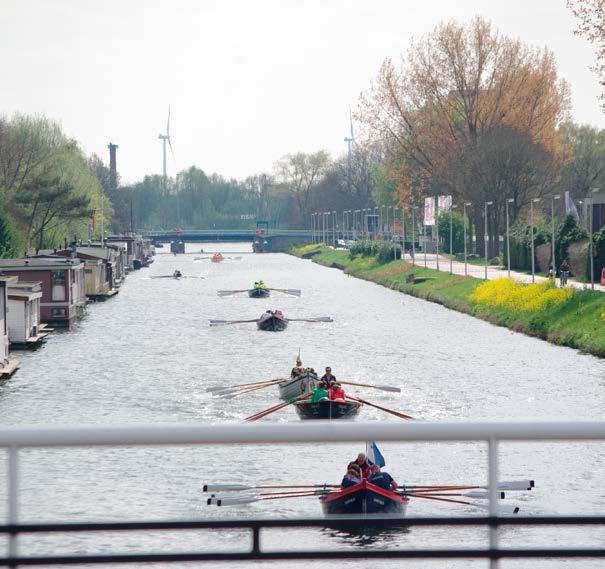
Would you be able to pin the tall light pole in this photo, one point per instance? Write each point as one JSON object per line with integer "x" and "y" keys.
{"x": 464, "y": 221}
{"x": 590, "y": 202}
{"x": 509, "y": 200}
{"x": 414, "y": 208}
{"x": 395, "y": 208}
{"x": 552, "y": 227}
{"x": 531, "y": 222}
{"x": 403, "y": 233}
{"x": 376, "y": 222}
{"x": 355, "y": 224}
{"x": 312, "y": 228}
{"x": 486, "y": 236}
{"x": 451, "y": 238}
{"x": 334, "y": 224}
{"x": 437, "y": 228}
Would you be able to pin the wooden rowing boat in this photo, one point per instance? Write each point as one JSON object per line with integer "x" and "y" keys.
{"x": 259, "y": 293}
{"x": 217, "y": 258}
{"x": 364, "y": 498}
{"x": 298, "y": 385}
{"x": 272, "y": 321}
{"x": 327, "y": 409}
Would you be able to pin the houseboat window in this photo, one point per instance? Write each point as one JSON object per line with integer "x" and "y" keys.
{"x": 58, "y": 285}
{"x": 58, "y": 312}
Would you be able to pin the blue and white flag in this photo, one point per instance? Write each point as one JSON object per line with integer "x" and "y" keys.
{"x": 570, "y": 207}
{"x": 374, "y": 455}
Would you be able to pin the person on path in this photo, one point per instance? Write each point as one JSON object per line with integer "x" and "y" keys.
{"x": 564, "y": 272}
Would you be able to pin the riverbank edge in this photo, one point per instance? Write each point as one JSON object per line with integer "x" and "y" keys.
{"x": 452, "y": 291}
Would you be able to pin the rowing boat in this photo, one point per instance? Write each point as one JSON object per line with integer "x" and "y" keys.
{"x": 298, "y": 385}
{"x": 364, "y": 498}
{"x": 259, "y": 292}
{"x": 217, "y": 258}
{"x": 272, "y": 321}
{"x": 327, "y": 409}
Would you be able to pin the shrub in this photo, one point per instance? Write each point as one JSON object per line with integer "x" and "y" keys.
{"x": 518, "y": 298}
{"x": 384, "y": 251}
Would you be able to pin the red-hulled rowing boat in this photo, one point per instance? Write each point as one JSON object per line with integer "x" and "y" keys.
{"x": 364, "y": 498}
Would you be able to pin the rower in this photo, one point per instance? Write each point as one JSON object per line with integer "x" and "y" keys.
{"x": 337, "y": 393}
{"x": 261, "y": 284}
{"x": 352, "y": 477}
{"x": 382, "y": 479}
{"x": 298, "y": 369}
{"x": 319, "y": 393}
{"x": 328, "y": 378}
{"x": 364, "y": 465}
{"x": 177, "y": 274}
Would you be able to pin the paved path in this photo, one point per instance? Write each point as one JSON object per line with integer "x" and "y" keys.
{"x": 478, "y": 271}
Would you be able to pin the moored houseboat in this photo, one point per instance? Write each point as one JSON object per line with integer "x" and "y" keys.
{"x": 24, "y": 328}
{"x": 8, "y": 365}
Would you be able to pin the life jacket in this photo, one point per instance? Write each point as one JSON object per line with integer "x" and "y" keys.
{"x": 336, "y": 393}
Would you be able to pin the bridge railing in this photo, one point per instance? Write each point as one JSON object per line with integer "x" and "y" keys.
{"x": 16, "y": 438}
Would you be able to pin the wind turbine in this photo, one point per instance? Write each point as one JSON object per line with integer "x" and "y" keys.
{"x": 166, "y": 138}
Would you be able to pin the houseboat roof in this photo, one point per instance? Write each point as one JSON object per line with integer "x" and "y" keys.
{"x": 39, "y": 262}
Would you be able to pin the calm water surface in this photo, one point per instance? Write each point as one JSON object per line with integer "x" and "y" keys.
{"x": 147, "y": 355}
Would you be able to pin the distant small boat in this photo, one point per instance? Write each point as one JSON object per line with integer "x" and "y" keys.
{"x": 327, "y": 409}
{"x": 217, "y": 258}
{"x": 259, "y": 292}
{"x": 272, "y": 321}
{"x": 364, "y": 498}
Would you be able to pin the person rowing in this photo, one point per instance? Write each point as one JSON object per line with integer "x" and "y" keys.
{"x": 382, "y": 479}
{"x": 364, "y": 465}
{"x": 177, "y": 274}
{"x": 320, "y": 393}
{"x": 328, "y": 378}
{"x": 352, "y": 477}
{"x": 336, "y": 392}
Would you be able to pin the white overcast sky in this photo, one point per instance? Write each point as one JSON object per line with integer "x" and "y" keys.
{"x": 247, "y": 81}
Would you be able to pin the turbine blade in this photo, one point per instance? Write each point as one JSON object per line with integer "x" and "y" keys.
{"x": 351, "y": 123}
{"x": 168, "y": 122}
{"x": 171, "y": 150}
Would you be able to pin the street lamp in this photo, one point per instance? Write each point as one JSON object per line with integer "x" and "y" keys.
{"x": 355, "y": 223}
{"x": 590, "y": 202}
{"x": 486, "y": 236}
{"x": 552, "y": 222}
{"x": 395, "y": 208}
{"x": 531, "y": 218}
{"x": 510, "y": 200}
{"x": 437, "y": 230}
{"x": 334, "y": 224}
{"x": 451, "y": 237}
{"x": 414, "y": 208}
{"x": 464, "y": 220}
{"x": 376, "y": 221}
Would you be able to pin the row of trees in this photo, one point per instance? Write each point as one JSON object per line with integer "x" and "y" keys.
{"x": 48, "y": 192}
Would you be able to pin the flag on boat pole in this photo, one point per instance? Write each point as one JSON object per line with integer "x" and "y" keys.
{"x": 374, "y": 455}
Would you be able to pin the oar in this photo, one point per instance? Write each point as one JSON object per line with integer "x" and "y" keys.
{"x": 228, "y": 292}
{"x": 225, "y": 387}
{"x": 506, "y": 485}
{"x": 502, "y": 508}
{"x": 391, "y": 411}
{"x": 315, "y": 319}
{"x": 242, "y": 391}
{"x": 222, "y": 322}
{"x": 291, "y": 291}
{"x": 479, "y": 494}
{"x": 381, "y": 387}
{"x": 266, "y": 412}
{"x": 235, "y": 501}
{"x": 230, "y": 390}
{"x": 243, "y": 487}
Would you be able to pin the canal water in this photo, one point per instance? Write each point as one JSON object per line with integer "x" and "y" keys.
{"x": 148, "y": 355}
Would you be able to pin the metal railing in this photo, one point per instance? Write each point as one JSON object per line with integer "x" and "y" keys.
{"x": 16, "y": 438}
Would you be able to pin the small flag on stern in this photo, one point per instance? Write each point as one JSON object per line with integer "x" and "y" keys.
{"x": 374, "y": 455}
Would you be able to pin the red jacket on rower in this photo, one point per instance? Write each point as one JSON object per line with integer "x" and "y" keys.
{"x": 336, "y": 392}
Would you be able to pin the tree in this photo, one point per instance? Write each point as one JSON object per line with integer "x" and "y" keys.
{"x": 301, "y": 172}
{"x": 460, "y": 88}
{"x": 591, "y": 25}
{"x": 10, "y": 244}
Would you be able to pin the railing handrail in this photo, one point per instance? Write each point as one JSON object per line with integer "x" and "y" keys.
{"x": 318, "y": 431}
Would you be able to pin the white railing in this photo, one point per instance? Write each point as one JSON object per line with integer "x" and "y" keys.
{"x": 15, "y": 438}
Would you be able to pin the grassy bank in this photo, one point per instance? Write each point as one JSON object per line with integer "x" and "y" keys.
{"x": 576, "y": 319}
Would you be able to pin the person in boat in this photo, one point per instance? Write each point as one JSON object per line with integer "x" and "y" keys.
{"x": 177, "y": 274}
{"x": 320, "y": 393}
{"x": 261, "y": 284}
{"x": 337, "y": 393}
{"x": 364, "y": 465}
{"x": 298, "y": 369}
{"x": 352, "y": 477}
{"x": 278, "y": 313}
{"x": 382, "y": 479}
{"x": 328, "y": 378}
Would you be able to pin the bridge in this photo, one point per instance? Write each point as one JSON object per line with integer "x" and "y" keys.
{"x": 272, "y": 240}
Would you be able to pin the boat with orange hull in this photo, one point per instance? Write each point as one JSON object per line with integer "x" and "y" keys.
{"x": 364, "y": 498}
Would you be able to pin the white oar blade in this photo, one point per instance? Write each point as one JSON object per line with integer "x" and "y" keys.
{"x": 226, "y": 487}
{"x": 516, "y": 485}
{"x": 482, "y": 494}
{"x": 389, "y": 388}
{"x": 501, "y": 509}
{"x": 236, "y": 501}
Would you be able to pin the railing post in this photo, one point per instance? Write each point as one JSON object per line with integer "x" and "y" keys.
{"x": 13, "y": 489}
{"x": 492, "y": 452}
{"x": 255, "y": 539}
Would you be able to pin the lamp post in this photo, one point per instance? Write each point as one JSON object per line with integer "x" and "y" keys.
{"x": 376, "y": 222}
{"x": 510, "y": 200}
{"x": 334, "y": 225}
{"x": 395, "y": 208}
{"x": 486, "y": 236}
{"x": 414, "y": 208}
{"x": 437, "y": 230}
{"x": 552, "y": 227}
{"x": 590, "y": 202}
{"x": 355, "y": 224}
{"x": 531, "y": 223}
{"x": 464, "y": 221}
{"x": 451, "y": 238}
{"x": 403, "y": 233}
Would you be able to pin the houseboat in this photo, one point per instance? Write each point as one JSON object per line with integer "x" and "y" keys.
{"x": 25, "y": 331}
{"x": 63, "y": 288}
{"x": 8, "y": 365}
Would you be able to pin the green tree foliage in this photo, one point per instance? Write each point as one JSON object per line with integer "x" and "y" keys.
{"x": 384, "y": 189}
{"x": 10, "y": 244}
{"x": 457, "y": 223}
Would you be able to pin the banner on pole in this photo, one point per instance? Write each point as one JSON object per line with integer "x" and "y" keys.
{"x": 429, "y": 211}
{"x": 445, "y": 203}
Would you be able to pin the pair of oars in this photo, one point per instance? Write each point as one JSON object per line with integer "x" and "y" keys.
{"x": 277, "y": 407}
{"x": 290, "y": 291}
{"x": 314, "y": 319}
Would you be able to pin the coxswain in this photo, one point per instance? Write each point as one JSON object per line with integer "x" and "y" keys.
{"x": 337, "y": 393}
{"x": 261, "y": 284}
{"x": 382, "y": 479}
{"x": 320, "y": 393}
{"x": 298, "y": 369}
{"x": 328, "y": 378}
{"x": 364, "y": 465}
{"x": 256, "y": 284}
